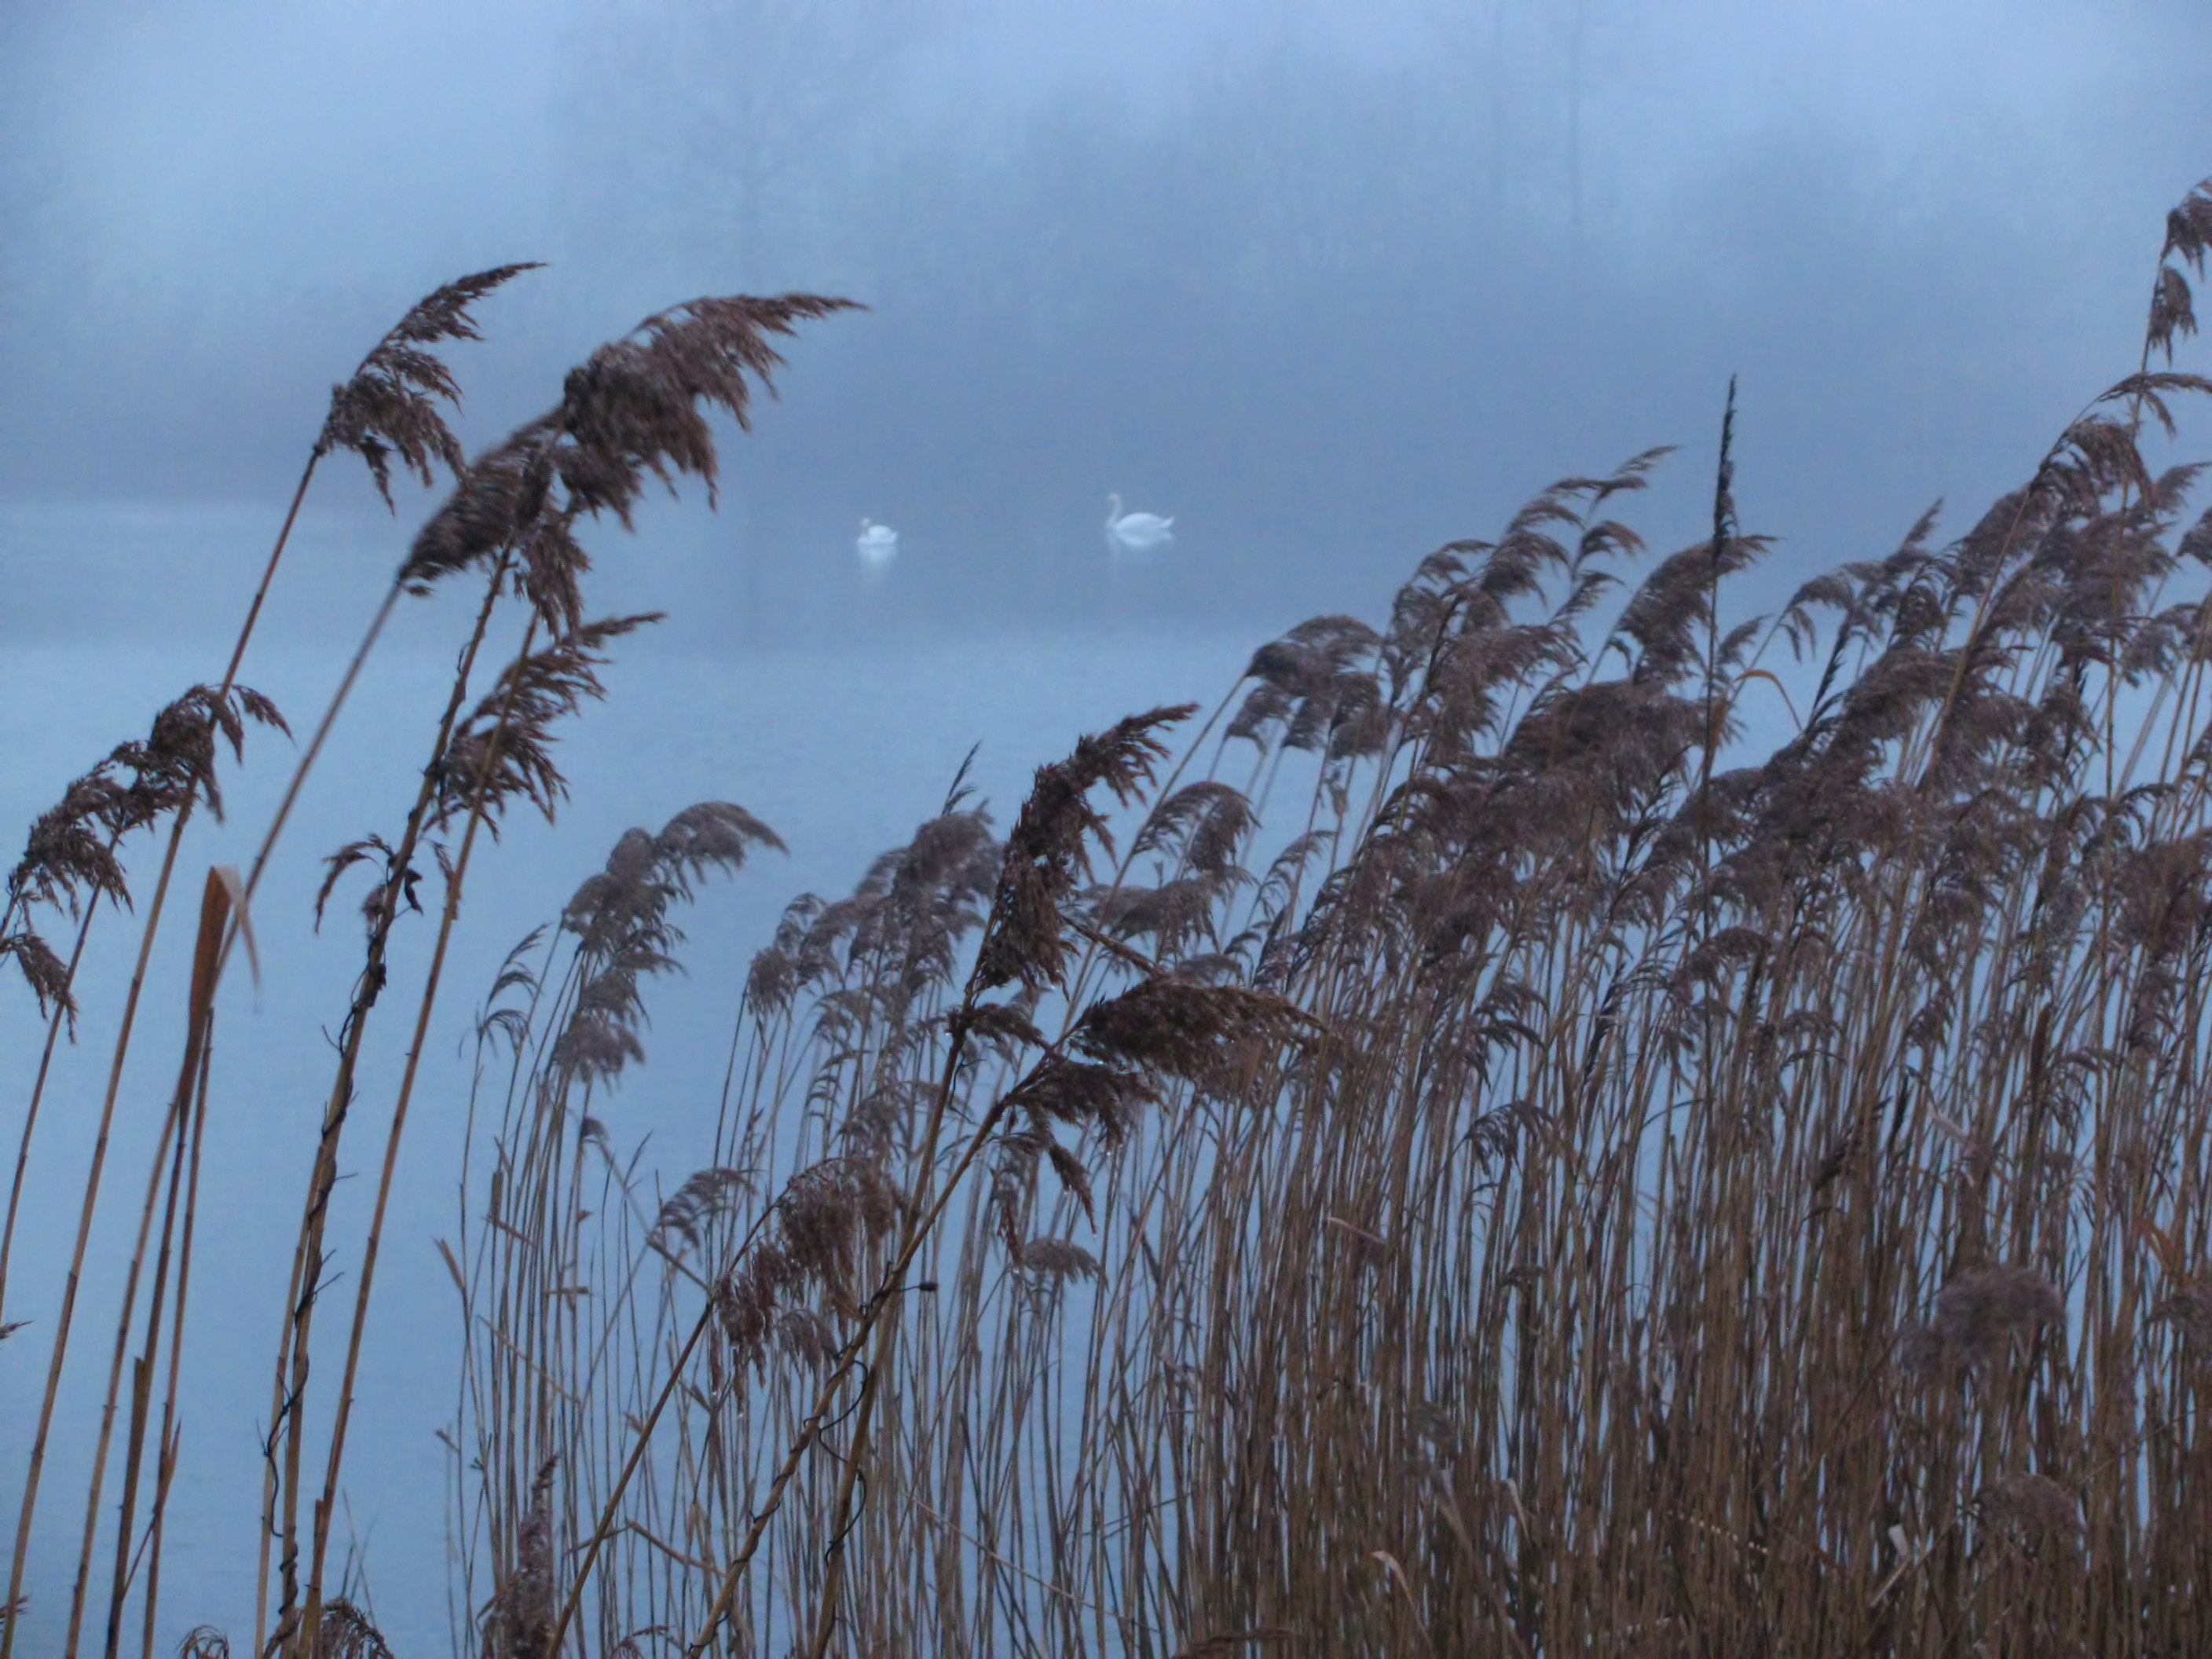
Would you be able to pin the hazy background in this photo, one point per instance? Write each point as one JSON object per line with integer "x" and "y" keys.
{"x": 1330, "y": 284}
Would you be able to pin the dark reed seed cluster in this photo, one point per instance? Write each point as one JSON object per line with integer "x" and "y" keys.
{"x": 1533, "y": 1170}
{"x": 391, "y": 405}
{"x": 70, "y": 858}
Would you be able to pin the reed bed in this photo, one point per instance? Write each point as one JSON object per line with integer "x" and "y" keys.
{"x": 1470, "y": 1148}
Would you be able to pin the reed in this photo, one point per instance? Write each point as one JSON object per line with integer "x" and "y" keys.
{"x": 389, "y": 406}
{"x": 1712, "y": 1198}
{"x": 636, "y": 410}
{"x": 1570, "y": 1118}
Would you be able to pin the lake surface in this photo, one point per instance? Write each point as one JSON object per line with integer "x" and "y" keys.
{"x": 836, "y": 709}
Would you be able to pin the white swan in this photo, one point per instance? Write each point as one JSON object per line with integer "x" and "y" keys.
{"x": 877, "y": 542}
{"x": 1136, "y": 532}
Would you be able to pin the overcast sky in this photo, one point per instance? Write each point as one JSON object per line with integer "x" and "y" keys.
{"x": 1331, "y": 283}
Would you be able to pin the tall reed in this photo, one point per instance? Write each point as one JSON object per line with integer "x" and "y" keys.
{"x": 1715, "y": 1196}
{"x": 1633, "y": 1127}
{"x": 389, "y": 406}
{"x": 636, "y": 410}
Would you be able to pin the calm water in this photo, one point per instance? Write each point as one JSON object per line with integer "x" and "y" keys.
{"x": 840, "y": 720}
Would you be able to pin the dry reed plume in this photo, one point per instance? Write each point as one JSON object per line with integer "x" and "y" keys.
{"x": 390, "y": 404}
{"x": 1506, "y": 1161}
{"x": 1708, "y": 1200}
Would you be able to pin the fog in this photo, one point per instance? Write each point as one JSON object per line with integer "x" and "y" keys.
{"x": 1331, "y": 285}
{"x": 1330, "y": 293}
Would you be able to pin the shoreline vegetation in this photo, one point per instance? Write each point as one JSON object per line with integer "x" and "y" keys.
{"x": 1454, "y": 1150}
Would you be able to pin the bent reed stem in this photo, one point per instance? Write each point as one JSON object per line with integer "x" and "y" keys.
{"x": 27, "y": 1512}
{"x": 292, "y": 1356}
{"x": 326, "y": 1504}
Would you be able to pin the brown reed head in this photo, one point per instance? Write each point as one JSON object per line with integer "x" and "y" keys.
{"x": 519, "y": 1622}
{"x": 1048, "y": 850}
{"x": 620, "y": 919}
{"x": 823, "y": 1228}
{"x": 636, "y": 409}
{"x": 70, "y": 860}
{"x": 391, "y": 405}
